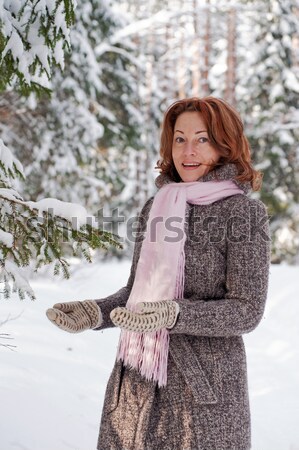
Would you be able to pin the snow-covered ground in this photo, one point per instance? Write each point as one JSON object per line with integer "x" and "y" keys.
{"x": 52, "y": 386}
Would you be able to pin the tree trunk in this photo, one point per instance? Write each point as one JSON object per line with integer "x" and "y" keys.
{"x": 207, "y": 47}
{"x": 231, "y": 58}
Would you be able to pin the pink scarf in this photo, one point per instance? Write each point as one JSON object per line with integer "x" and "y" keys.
{"x": 160, "y": 269}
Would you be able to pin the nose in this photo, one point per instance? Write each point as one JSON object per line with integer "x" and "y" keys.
{"x": 189, "y": 149}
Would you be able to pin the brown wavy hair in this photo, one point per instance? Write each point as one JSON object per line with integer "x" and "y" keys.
{"x": 226, "y": 133}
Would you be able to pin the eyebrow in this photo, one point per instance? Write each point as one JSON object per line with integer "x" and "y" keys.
{"x": 196, "y": 132}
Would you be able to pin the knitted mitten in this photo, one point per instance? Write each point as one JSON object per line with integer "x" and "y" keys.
{"x": 150, "y": 316}
{"x": 75, "y": 317}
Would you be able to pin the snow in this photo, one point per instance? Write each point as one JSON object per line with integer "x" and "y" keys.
{"x": 38, "y": 47}
{"x": 140, "y": 26}
{"x": 280, "y": 194}
{"x": 59, "y": 54}
{"x": 74, "y": 213}
{"x": 51, "y": 4}
{"x": 8, "y": 160}
{"x": 285, "y": 234}
{"x": 14, "y": 27}
{"x": 60, "y": 22}
{"x": 10, "y": 194}
{"x": 6, "y": 238}
{"x": 291, "y": 81}
{"x": 19, "y": 278}
{"x": 14, "y": 44}
{"x": 53, "y": 384}
{"x": 275, "y": 92}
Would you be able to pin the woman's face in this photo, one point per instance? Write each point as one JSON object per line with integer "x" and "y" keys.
{"x": 191, "y": 148}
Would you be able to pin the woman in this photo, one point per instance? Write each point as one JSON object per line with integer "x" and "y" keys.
{"x": 198, "y": 281}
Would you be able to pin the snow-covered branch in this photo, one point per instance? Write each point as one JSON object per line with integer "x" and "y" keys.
{"x": 34, "y": 35}
{"x": 42, "y": 232}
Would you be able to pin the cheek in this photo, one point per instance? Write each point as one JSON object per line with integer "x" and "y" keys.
{"x": 176, "y": 161}
{"x": 174, "y": 155}
{"x": 213, "y": 154}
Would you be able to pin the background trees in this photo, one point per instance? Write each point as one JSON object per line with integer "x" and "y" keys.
{"x": 95, "y": 140}
{"x": 247, "y": 53}
{"x": 47, "y": 230}
{"x": 269, "y": 102}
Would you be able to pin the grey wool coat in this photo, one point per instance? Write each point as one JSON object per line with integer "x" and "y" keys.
{"x": 205, "y": 405}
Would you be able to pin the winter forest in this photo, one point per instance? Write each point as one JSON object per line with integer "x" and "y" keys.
{"x": 81, "y": 105}
{"x": 83, "y": 88}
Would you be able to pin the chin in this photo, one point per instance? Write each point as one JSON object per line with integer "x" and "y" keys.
{"x": 189, "y": 178}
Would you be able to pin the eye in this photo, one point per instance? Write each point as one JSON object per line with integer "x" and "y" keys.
{"x": 204, "y": 139}
{"x": 176, "y": 140}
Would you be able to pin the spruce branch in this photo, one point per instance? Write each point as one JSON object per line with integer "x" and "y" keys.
{"x": 29, "y": 232}
{"x": 21, "y": 61}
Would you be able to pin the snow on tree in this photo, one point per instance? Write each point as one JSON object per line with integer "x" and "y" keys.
{"x": 41, "y": 232}
{"x": 33, "y": 36}
{"x": 268, "y": 95}
{"x": 81, "y": 137}
{"x": 247, "y": 53}
{"x": 48, "y": 230}
{"x": 96, "y": 139}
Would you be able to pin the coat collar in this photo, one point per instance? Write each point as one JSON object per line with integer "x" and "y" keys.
{"x": 225, "y": 172}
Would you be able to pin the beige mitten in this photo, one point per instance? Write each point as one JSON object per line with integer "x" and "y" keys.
{"x": 75, "y": 317}
{"x": 150, "y": 316}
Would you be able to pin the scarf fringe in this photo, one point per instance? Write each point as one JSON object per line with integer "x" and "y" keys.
{"x": 180, "y": 281}
{"x": 147, "y": 353}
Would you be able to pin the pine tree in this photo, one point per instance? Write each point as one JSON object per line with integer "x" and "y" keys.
{"x": 42, "y": 232}
{"x": 76, "y": 145}
{"x": 33, "y": 36}
{"x": 48, "y": 230}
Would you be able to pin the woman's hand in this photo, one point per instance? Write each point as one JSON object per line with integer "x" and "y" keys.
{"x": 150, "y": 316}
{"x": 75, "y": 317}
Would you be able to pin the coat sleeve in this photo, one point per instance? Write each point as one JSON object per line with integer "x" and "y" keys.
{"x": 247, "y": 274}
{"x": 120, "y": 297}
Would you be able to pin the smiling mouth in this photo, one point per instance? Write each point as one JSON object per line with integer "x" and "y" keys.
{"x": 190, "y": 165}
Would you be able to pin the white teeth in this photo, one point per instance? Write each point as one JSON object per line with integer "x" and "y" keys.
{"x": 192, "y": 165}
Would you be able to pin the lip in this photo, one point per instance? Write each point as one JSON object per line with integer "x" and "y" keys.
{"x": 190, "y": 167}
